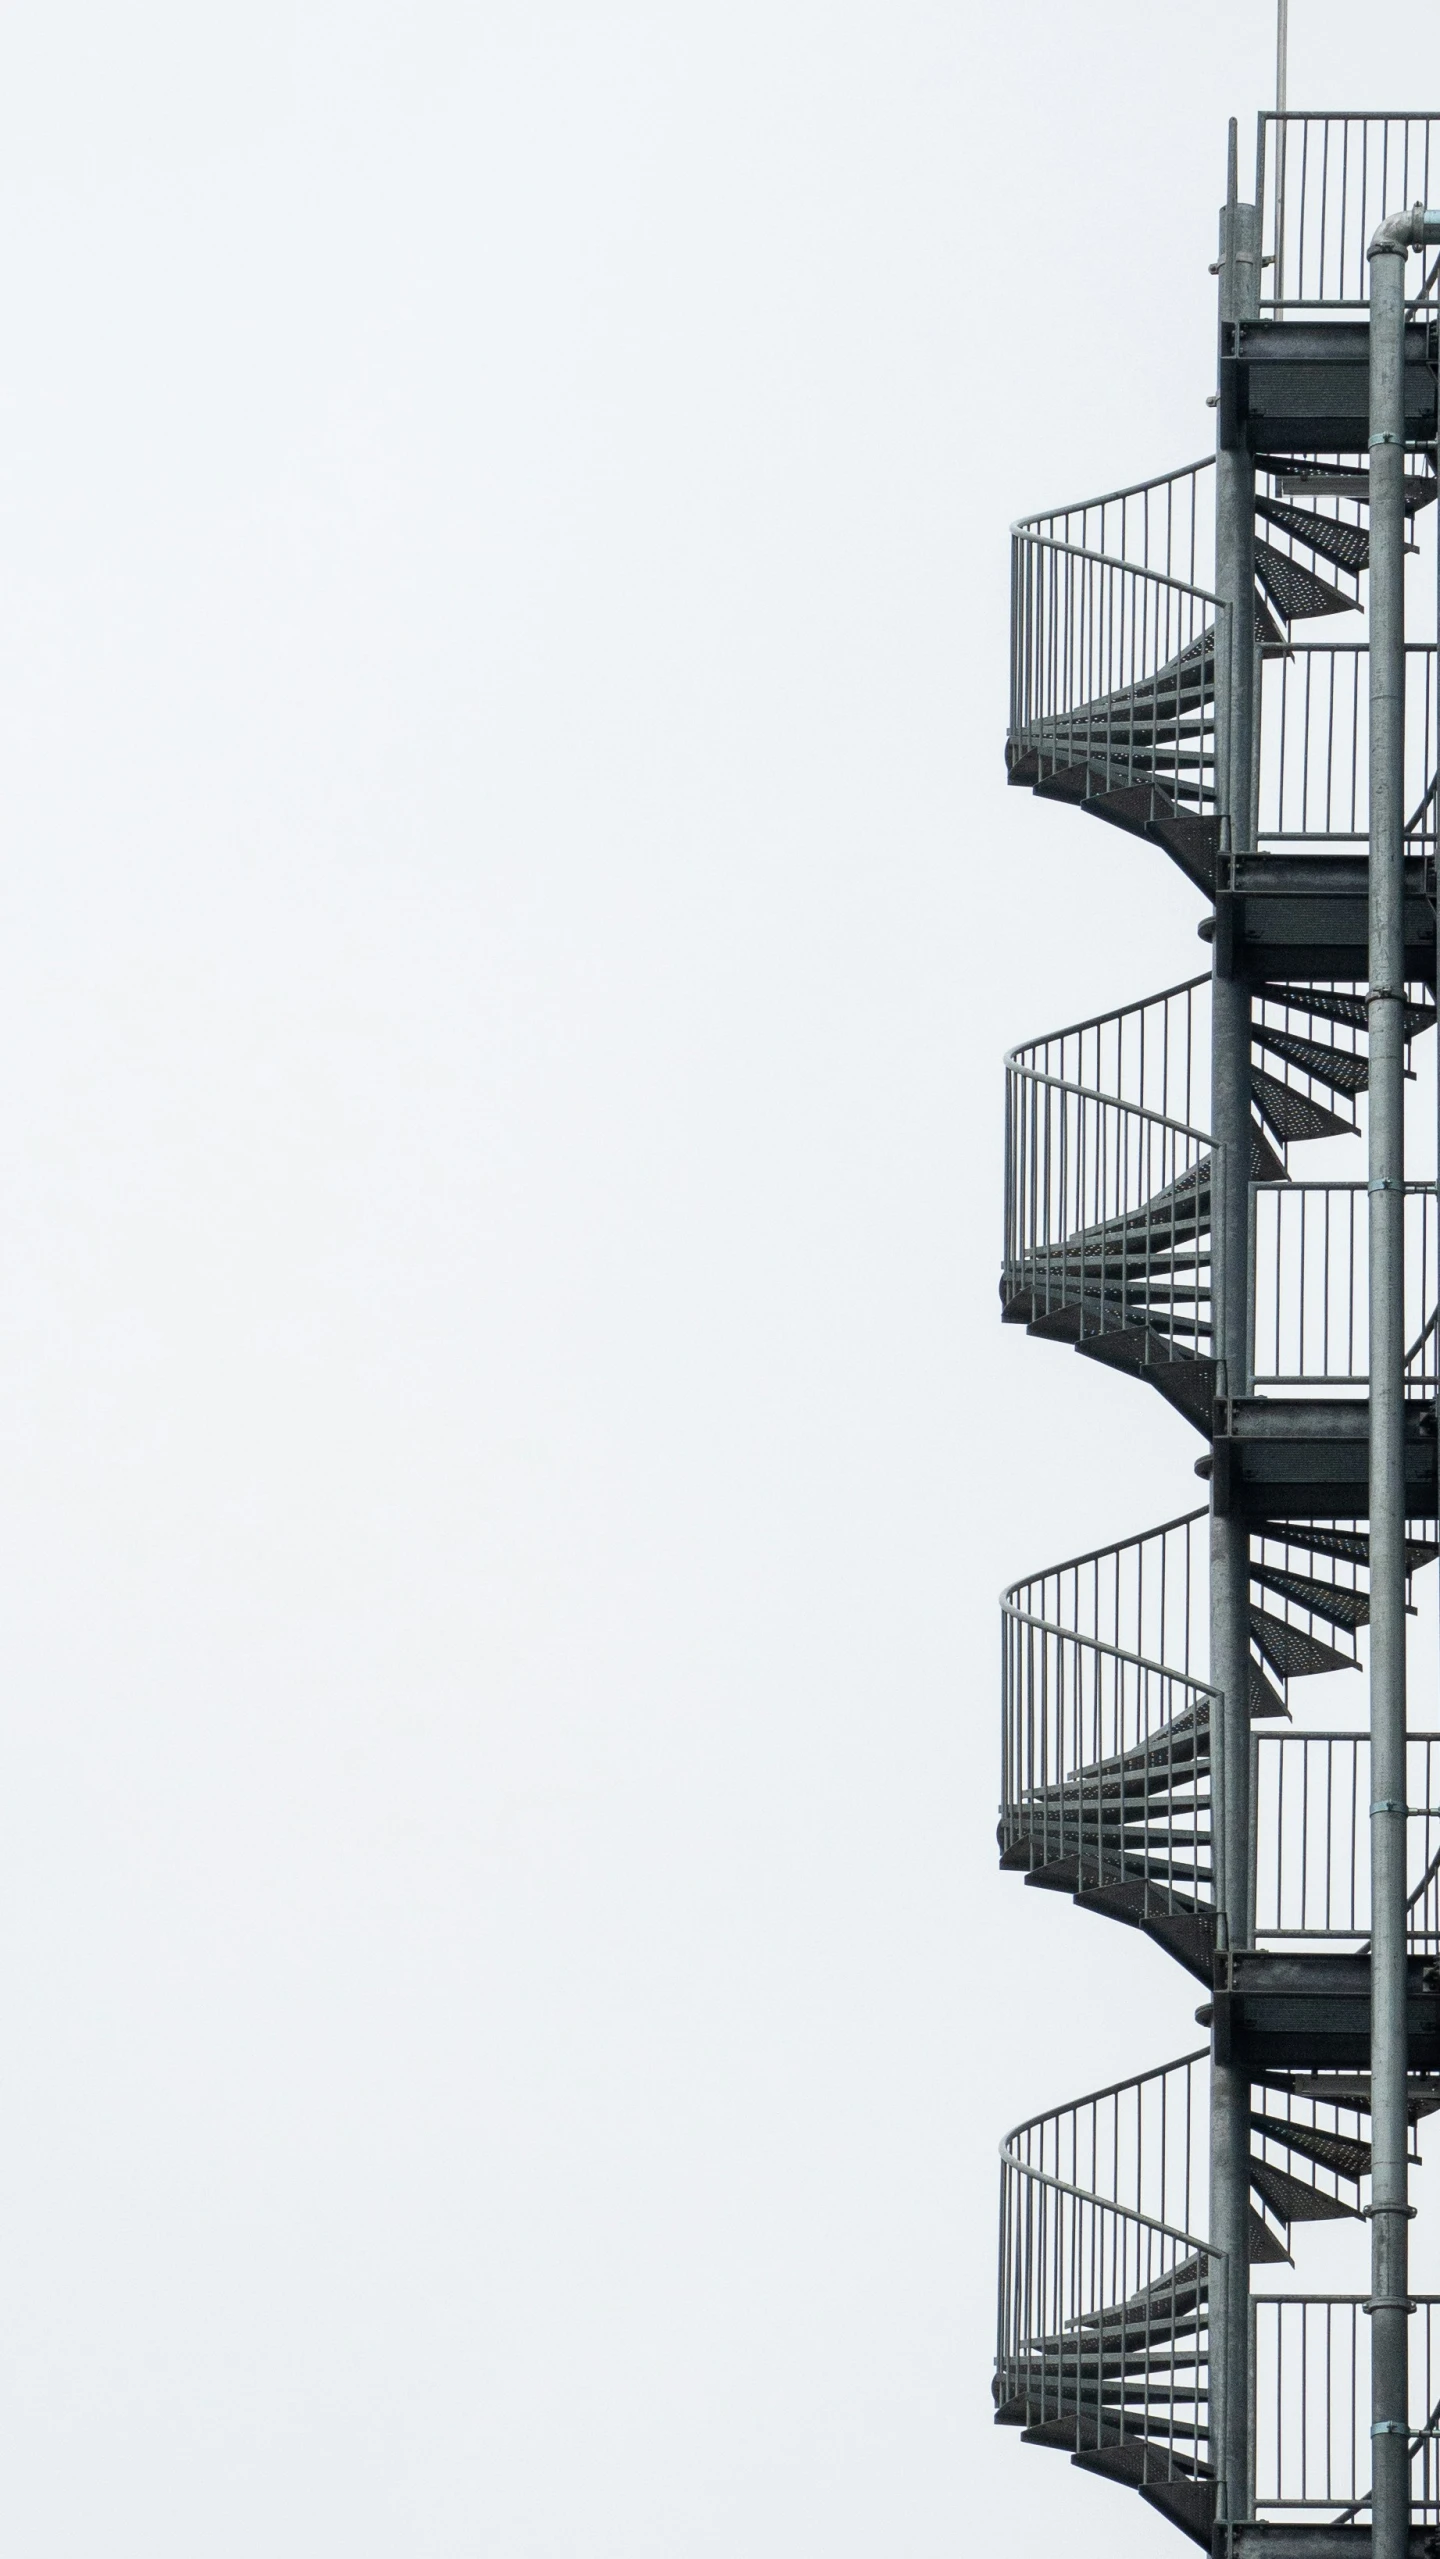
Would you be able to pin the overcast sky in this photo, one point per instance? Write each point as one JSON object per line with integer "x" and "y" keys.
{"x": 509, "y": 917}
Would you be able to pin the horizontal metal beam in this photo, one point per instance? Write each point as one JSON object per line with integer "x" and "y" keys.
{"x": 1288, "y": 1457}
{"x": 1304, "y": 915}
{"x": 1312, "y": 2012}
{"x": 1317, "y": 2541}
{"x": 1297, "y": 387}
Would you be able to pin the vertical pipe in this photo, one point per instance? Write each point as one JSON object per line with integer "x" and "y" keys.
{"x": 1229, "y": 1539}
{"x": 1389, "y": 2227}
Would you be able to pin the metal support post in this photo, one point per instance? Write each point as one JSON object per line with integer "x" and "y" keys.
{"x": 1389, "y": 2228}
{"x": 1229, "y": 1541}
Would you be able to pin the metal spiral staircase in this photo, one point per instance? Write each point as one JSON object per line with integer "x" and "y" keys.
{"x": 1158, "y": 1762}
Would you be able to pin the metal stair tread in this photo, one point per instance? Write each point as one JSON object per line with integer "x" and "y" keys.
{"x": 1342, "y": 2154}
{"x": 1292, "y": 2199}
{"x": 1296, "y": 592}
{"x": 1291, "y": 1651}
{"x": 1347, "y": 545}
{"x": 1292, "y": 1115}
{"x": 1344, "y": 1070}
{"x": 1333, "y": 1600}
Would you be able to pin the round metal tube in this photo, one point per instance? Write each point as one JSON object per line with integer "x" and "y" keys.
{"x": 1389, "y": 2275}
{"x": 1230, "y": 1122}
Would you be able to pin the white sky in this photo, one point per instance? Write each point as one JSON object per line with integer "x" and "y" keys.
{"x": 509, "y": 917}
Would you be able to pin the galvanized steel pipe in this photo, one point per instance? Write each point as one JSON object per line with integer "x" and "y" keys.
{"x": 1389, "y": 2263}
{"x": 1230, "y": 1124}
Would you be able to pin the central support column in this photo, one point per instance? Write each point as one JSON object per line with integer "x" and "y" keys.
{"x": 1389, "y": 2262}
{"x": 1230, "y": 1122}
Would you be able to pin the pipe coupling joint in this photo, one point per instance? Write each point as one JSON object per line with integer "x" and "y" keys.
{"x": 1399, "y": 233}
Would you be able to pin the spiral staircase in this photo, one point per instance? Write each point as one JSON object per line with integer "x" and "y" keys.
{"x": 1122, "y": 1214}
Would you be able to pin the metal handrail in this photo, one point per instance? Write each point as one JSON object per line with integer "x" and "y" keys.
{"x": 1102, "y": 1554}
{"x": 1102, "y": 1021}
{"x": 1108, "y": 625}
{"x": 1330, "y": 178}
{"x": 1131, "y": 568}
{"x": 1311, "y": 1839}
{"x": 1101, "y": 1150}
{"x": 1113, "y": 497}
{"x": 1114, "y": 1652}
{"x": 1112, "y": 1101}
{"x": 1104, "y": 2304}
{"x": 1083, "y": 2195}
{"x": 1309, "y": 2354}
{"x": 1320, "y": 1318}
{"x": 1097, "y": 2096}
{"x": 1314, "y": 775}
{"x": 1089, "y": 1699}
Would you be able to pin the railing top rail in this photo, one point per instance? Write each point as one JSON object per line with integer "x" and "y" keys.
{"x": 1344, "y": 2301}
{"x": 1111, "y": 1101}
{"x": 1358, "y": 1733}
{"x": 1117, "y": 1652}
{"x": 1112, "y": 497}
{"x": 1129, "y": 568}
{"x": 1101, "y": 1021}
{"x": 1127, "y": 2212}
{"x": 1099, "y": 1554}
{"x": 1324, "y": 176}
{"x": 1350, "y": 115}
{"x": 1286, "y": 1188}
{"x": 1096, "y": 2096}
{"x": 1351, "y": 648}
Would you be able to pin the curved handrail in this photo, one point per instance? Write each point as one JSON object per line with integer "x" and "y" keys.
{"x": 1104, "y": 2294}
{"x": 1142, "y": 2220}
{"x": 1112, "y": 1652}
{"x": 1111, "y": 1761}
{"x": 1149, "y": 1057}
{"x": 1097, "y": 2096}
{"x": 1136, "y": 568}
{"x": 1108, "y": 1175}
{"x": 1115, "y": 497}
{"x": 1101, "y": 1554}
{"x": 1117, "y": 1013}
{"x": 1112, "y": 1101}
{"x": 1116, "y": 630}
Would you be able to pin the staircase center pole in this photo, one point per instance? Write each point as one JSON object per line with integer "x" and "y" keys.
{"x": 1389, "y": 2228}
{"x": 1229, "y": 1537}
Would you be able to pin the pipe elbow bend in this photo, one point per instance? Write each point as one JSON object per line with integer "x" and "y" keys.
{"x": 1401, "y": 232}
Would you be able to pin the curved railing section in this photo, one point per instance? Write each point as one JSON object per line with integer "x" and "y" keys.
{"x": 1164, "y": 526}
{"x": 1108, "y": 1194}
{"x": 1118, "y": 644}
{"x": 1105, "y": 2292}
{"x": 1111, "y": 1749}
{"x": 1108, "y": 1184}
